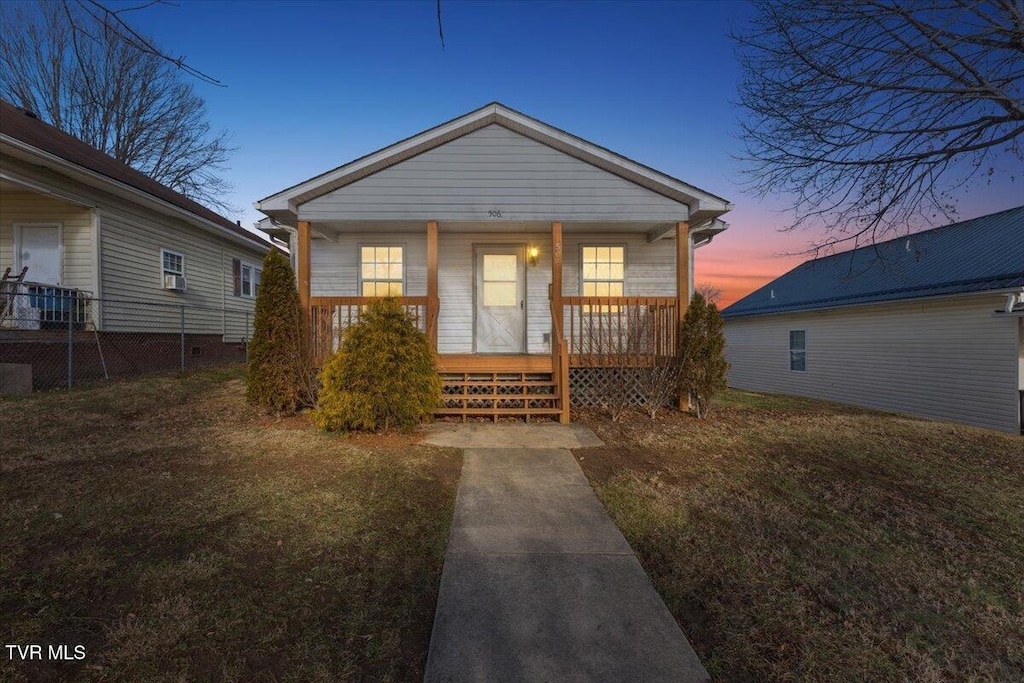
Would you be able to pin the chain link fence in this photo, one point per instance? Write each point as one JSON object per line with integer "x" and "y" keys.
{"x": 53, "y": 337}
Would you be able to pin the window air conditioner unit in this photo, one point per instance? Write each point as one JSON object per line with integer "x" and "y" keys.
{"x": 174, "y": 282}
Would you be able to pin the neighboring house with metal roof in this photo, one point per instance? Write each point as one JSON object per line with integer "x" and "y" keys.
{"x": 525, "y": 252}
{"x": 931, "y": 324}
{"x": 91, "y": 233}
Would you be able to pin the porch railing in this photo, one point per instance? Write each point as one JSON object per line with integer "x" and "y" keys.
{"x": 331, "y": 316}
{"x": 616, "y": 330}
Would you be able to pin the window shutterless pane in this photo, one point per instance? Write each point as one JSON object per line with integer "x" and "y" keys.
{"x": 366, "y": 255}
{"x": 615, "y": 272}
{"x": 395, "y": 254}
{"x": 614, "y": 289}
{"x": 589, "y": 254}
{"x": 616, "y": 254}
{"x": 172, "y": 263}
{"x": 500, "y": 267}
{"x": 395, "y": 271}
{"x": 500, "y": 294}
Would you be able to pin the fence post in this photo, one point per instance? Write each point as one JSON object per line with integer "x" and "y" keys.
{"x": 183, "y": 339}
{"x": 71, "y": 338}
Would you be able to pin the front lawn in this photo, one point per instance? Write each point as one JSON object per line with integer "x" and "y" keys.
{"x": 178, "y": 535}
{"x": 797, "y": 540}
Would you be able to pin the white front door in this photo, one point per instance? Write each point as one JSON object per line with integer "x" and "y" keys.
{"x": 500, "y": 300}
{"x": 38, "y": 247}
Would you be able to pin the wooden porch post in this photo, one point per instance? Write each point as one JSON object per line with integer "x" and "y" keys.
{"x": 432, "y": 299}
{"x": 302, "y": 262}
{"x": 559, "y": 353}
{"x": 682, "y": 286}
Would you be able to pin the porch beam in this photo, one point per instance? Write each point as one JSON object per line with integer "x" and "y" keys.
{"x": 559, "y": 352}
{"x": 682, "y": 284}
{"x": 302, "y": 264}
{"x": 661, "y": 232}
{"x": 433, "y": 304}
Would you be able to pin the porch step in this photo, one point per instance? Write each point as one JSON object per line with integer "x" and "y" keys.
{"x": 499, "y": 393}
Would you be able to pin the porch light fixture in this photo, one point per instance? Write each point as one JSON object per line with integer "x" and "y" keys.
{"x": 532, "y": 252}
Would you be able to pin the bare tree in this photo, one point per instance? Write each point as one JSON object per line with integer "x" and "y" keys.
{"x": 710, "y": 293}
{"x": 64, "y": 63}
{"x": 874, "y": 115}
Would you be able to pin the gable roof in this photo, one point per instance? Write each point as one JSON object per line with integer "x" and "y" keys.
{"x": 985, "y": 253}
{"x": 24, "y": 127}
{"x": 704, "y": 206}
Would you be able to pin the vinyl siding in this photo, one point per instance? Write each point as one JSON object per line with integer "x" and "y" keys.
{"x": 945, "y": 358}
{"x": 130, "y": 240}
{"x": 493, "y": 169}
{"x": 78, "y": 258}
{"x": 650, "y": 271}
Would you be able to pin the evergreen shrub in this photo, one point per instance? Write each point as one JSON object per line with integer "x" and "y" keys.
{"x": 702, "y": 354}
{"x": 279, "y": 373}
{"x": 383, "y": 376}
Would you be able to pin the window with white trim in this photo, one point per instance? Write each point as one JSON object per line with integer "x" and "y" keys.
{"x": 798, "y": 350}
{"x": 603, "y": 273}
{"x": 382, "y": 270}
{"x": 250, "y": 280}
{"x": 172, "y": 263}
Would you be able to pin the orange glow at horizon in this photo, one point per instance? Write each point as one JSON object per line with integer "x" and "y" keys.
{"x": 746, "y": 257}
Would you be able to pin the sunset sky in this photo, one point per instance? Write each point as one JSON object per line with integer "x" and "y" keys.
{"x": 310, "y": 86}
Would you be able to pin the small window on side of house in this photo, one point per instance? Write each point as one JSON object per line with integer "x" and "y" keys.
{"x": 172, "y": 263}
{"x": 249, "y": 282}
{"x": 798, "y": 350}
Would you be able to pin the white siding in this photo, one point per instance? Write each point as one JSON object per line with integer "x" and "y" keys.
{"x": 650, "y": 271}
{"x": 493, "y": 169}
{"x": 131, "y": 237}
{"x": 131, "y": 240}
{"x": 945, "y": 358}
{"x": 650, "y": 267}
{"x": 78, "y": 265}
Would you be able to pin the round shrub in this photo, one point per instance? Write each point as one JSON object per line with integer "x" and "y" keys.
{"x": 383, "y": 375}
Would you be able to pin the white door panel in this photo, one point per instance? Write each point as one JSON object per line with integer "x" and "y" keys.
{"x": 500, "y": 300}
{"x": 39, "y": 248}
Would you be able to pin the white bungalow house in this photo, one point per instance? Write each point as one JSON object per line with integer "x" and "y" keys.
{"x": 91, "y": 235}
{"x": 931, "y": 324}
{"x": 525, "y": 252}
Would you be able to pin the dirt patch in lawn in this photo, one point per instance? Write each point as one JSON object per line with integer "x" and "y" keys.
{"x": 178, "y": 535}
{"x": 800, "y": 540}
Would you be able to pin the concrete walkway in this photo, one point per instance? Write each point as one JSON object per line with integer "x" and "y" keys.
{"x": 539, "y": 584}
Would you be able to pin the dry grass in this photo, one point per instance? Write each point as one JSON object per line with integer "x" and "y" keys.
{"x": 796, "y": 540}
{"x": 179, "y": 536}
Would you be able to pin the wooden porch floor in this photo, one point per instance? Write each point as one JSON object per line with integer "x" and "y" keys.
{"x": 471, "y": 362}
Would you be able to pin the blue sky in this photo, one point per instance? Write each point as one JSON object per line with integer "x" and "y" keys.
{"x": 312, "y": 85}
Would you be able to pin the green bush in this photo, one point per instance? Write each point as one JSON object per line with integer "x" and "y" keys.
{"x": 279, "y": 371}
{"x": 383, "y": 375}
{"x": 702, "y": 354}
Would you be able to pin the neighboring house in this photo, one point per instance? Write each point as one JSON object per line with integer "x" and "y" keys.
{"x": 931, "y": 324}
{"x": 95, "y": 234}
{"x": 526, "y": 253}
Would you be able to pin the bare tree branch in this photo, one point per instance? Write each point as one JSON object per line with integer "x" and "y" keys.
{"x": 874, "y": 116}
{"x": 57, "y": 60}
{"x": 440, "y": 26}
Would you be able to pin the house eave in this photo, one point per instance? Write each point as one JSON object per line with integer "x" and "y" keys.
{"x": 34, "y": 155}
{"x": 702, "y": 206}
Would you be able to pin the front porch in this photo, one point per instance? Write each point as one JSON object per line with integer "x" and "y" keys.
{"x": 576, "y": 338}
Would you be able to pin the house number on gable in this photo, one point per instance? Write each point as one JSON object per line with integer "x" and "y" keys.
{"x": 494, "y": 213}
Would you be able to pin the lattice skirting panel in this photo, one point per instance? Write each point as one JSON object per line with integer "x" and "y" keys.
{"x": 592, "y": 387}
{"x": 498, "y": 390}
